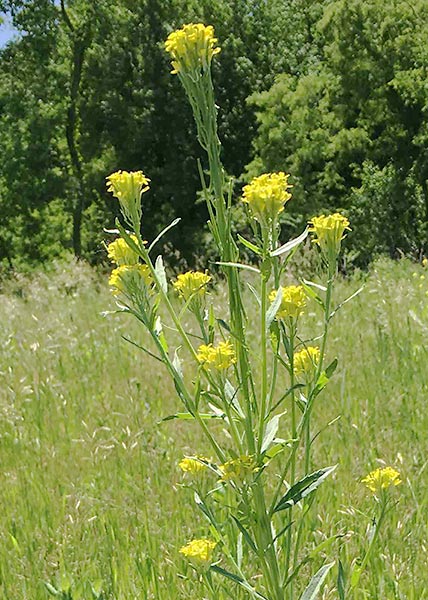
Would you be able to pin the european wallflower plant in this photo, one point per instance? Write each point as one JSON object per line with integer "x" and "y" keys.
{"x": 261, "y": 379}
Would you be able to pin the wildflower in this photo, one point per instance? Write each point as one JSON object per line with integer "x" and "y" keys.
{"x": 128, "y": 188}
{"x": 199, "y": 552}
{"x": 193, "y": 465}
{"x": 219, "y": 357}
{"x": 381, "y": 479}
{"x": 192, "y": 283}
{"x": 424, "y": 262}
{"x": 122, "y": 254}
{"x": 329, "y": 232}
{"x": 306, "y": 361}
{"x": 238, "y": 469}
{"x": 192, "y": 48}
{"x": 127, "y": 279}
{"x": 292, "y": 303}
{"x": 266, "y": 195}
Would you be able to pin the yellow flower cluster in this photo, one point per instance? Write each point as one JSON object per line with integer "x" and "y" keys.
{"x": 128, "y": 188}
{"x": 381, "y": 479}
{"x": 329, "y": 232}
{"x": 306, "y": 361}
{"x": 219, "y": 357}
{"x": 193, "y": 465}
{"x": 200, "y": 552}
{"x": 130, "y": 278}
{"x": 192, "y": 283}
{"x": 192, "y": 48}
{"x": 238, "y": 469}
{"x": 266, "y": 195}
{"x": 120, "y": 253}
{"x": 292, "y": 303}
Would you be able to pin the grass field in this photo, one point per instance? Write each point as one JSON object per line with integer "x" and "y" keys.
{"x": 91, "y": 498}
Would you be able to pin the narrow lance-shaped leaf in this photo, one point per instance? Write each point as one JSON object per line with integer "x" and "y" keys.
{"x": 273, "y": 308}
{"x": 239, "y": 580}
{"x": 303, "y": 488}
{"x": 162, "y": 233}
{"x": 160, "y": 272}
{"x": 314, "y": 587}
{"x": 291, "y": 244}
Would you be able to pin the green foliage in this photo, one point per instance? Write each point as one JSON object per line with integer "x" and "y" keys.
{"x": 90, "y": 482}
{"x": 352, "y": 130}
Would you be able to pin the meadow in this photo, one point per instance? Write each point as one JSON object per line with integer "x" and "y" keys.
{"x": 91, "y": 502}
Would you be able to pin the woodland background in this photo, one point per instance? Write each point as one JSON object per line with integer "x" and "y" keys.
{"x": 333, "y": 91}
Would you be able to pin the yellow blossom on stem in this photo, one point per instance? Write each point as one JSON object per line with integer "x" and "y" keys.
{"x": 127, "y": 279}
{"x": 199, "y": 552}
{"x": 192, "y": 48}
{"x": 193, "y": 465}
{"x": 306, "y": 361}
{"x": 381, "y": 479}
{"x": 238, "y": 469}
{"x": 292, "y": 303}
{"x": 219, "y": 357}
{"x": 128, "y": 188}
{"x": 120, "y": 253}
{"x": 192, "y": 283}
{"x": 329, "y": 232}
{"x": 266, "y": 195}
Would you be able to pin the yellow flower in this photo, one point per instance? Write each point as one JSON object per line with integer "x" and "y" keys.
{"x": 128, "y": 188}
{"x": 120, "y": 253}
{"x": 293, "y": 301}
{"x": 128, "y": 279}
{"x": 219, "y": 357}
{"x": 381, "y": 479}
{"x": 424, "y": 262}
{"x": 192, "y": 283}
{"x": 238, "y": 469}
{"x": 192, "y": 48}
{"x": 199, "y": 552}
{"x": 329, "y": 232}
{"x": 306, "y": 361}
{"x": 266, "y": 195}
{"x": 193, "y": 465}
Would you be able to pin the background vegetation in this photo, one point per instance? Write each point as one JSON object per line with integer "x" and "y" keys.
{"x": 90, "y": 479}
{"x": 332, "y": 91}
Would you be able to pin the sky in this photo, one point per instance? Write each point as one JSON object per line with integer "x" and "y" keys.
{"x": 6, "y": 31}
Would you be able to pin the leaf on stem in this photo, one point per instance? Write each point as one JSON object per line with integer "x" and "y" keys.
{"x": 160, "y": 272}
{"x": 186, "y": 416}
{"x": 303, "y": 488}
{"x": 250, "y": 245}
{"x": 245, "y": 534}
{"x": 341, "y": 581}
{"x": 315, "y": 584}
{"x": 270, "y": 433}
{"x": 239, "y": 580}
{"x": 238, "y": 266}
{"x": 290, "y": 244}
{"x": 273, "y": 308}
{"x": 162, "y": 233}
{"x": 345, "y": 301}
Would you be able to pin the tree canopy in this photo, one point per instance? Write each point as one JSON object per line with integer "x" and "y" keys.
{"x": 332, "y": 91}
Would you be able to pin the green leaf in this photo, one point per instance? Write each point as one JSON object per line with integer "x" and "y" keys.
{"x": 245, "y": 534}
{"x": 345, "y": 301}
{"x": 176, "y": 363}
{"x": 303, "y": 488}
{"x": 205, "y": 510}
{"x": 250, "y": 245}
{"x": 162, "y": 233}
{"x": 270, "y": 432}
{"x": 160, "y": 272}
{"x": 141, "y": 348}
{"x": 312, "y": 294}
{"x": 239, "y": 580}
{"x": 273, "y": 308}
{"x": 314, "y": 587}
{"x": 331, "y": 368}
{"x": 50, "y": 588}
{"x": 189, "y": 417}
{"x": 341, "y": 581}
{"x": 291, "y": 244}
{"x": 238, "y": 266}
